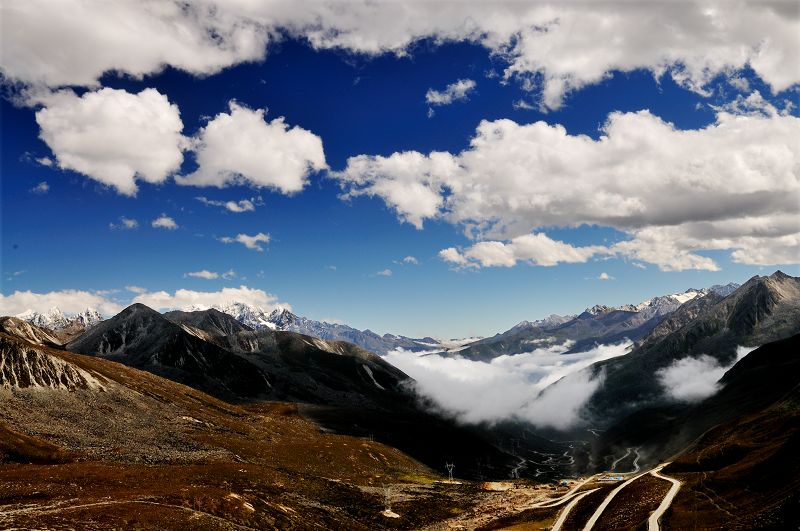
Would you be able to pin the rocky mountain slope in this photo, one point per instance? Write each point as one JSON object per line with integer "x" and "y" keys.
{"x": 23, "y": 366}
{"x": 16, "y": 327}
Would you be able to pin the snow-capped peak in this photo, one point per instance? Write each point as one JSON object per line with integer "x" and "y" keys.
{"x": 248, "y": 314}
{"x": 54, "y": 318}
{"x": 599, "y": 309}
{"x": 88, "y": 317}
{"x": 688, "y": 295}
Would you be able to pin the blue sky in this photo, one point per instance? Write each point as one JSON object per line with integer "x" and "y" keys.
{"x": 325, "y": 251}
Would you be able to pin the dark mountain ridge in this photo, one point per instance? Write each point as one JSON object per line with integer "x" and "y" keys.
{"x": 143, "y": 338}
{"x": 762, "y": 310}
{"x": 211, "y": 321}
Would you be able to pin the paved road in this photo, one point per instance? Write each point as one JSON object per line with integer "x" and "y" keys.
{"x": 546, "y": 504}
{"x": 602, "y": 507}
{"x": 652, "y": 522}
{"x": 563, "y": 516}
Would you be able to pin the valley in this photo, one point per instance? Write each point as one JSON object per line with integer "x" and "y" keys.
{"x": 196, "y": 420}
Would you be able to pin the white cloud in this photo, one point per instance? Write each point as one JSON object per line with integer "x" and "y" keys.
{"x": 535, "y": 249}
{"x": 204, "y": 273}
{"x": 240, "y": 147}
{"x": 409, "y": 182}
{"x": 752, "y": 105}
{"x": 45, "y": 161}
{"x": 229, "y": 274}
{"x": 80, "y": 40}
{"x": 410, "y": 260}
{"x": 457, "y": 91}
{"x": 731, "y": 185}
{"x": 69, "y": 301}
{"x": 523, "y": 105}
{"x": 164, "y": 222}
{"x": 692, "y": 379}
{"x": 41, "y": 188}
{"x": 251, "y": 242}
{"x": 604, "y": 276}
{"x": 553, "y": 48}
{"x": 183, "y": 298}
{"x": 739, "y": 83}
{"x": 237, "y": 207}
{"x": 124, "y": 224}
{"x": 384, "y": 273}
{"x": 136, "y": 289}
{"x": 546, "y": 386}
{"x": 453, "y": 255}
{"x": 113, "y": 136}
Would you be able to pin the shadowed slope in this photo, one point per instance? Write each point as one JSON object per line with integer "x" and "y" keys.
{"x": 143, "y": 338}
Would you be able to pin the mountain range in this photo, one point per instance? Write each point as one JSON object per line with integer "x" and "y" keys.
{"x": 340, "y": 384}
{"x": 261, "y": 414}
{"x": 598, "y": 324}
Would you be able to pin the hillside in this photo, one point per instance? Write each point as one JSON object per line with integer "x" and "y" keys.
{"x": 762, "y": 310}
{"x": 218, "y": 465}
{"x": 141, "y": 337}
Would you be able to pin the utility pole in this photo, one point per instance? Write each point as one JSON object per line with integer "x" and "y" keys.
{"x": 450, "y": 467}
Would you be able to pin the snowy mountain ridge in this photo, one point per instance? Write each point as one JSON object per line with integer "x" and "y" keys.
{"x": 55, "y": 319}
{"x": 653, "y": 307}
{"x": 284, "y": 320}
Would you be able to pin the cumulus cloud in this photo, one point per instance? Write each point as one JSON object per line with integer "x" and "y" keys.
{"x": 237, "y": 207}
{"x": 457, "y": 91}
{"x": 184, "y": 298}
{"x": 164, "y": 222}
{"x": 113, "y": 136}
{"x": 535, "y": 249}
{"x": 384, "y": 273}
{"x": 552, "y": 48}
{"x": 546, "y": 386}
{"x": 453, "y": 255}
{"x": 124, "y": 224}
{"x": 229, "y": 274}
{"x": 203, "y": 273}
{"x": 604, "y": 276}
{"x": 251, "y": 242}
{"x": 69, "y": 301}
{"x": 78, "y": 42}
{"x": 41, "y": 188}
{"x": 410, "y": 260}
{"x": 241, "y": 147}
{"x": 409, "y": 182}
{"x": 731, "y": 185}
{"x": 692, "y": 379}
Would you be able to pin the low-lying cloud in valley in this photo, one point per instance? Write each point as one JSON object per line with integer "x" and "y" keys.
{"x": 695, "y": 378}
{"x": 546, "y": 386}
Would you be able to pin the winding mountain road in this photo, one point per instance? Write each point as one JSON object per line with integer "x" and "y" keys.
{"x": 565, "y": 513}
{"x": 602, "y": 507}
{"x": 652, "y": 522}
